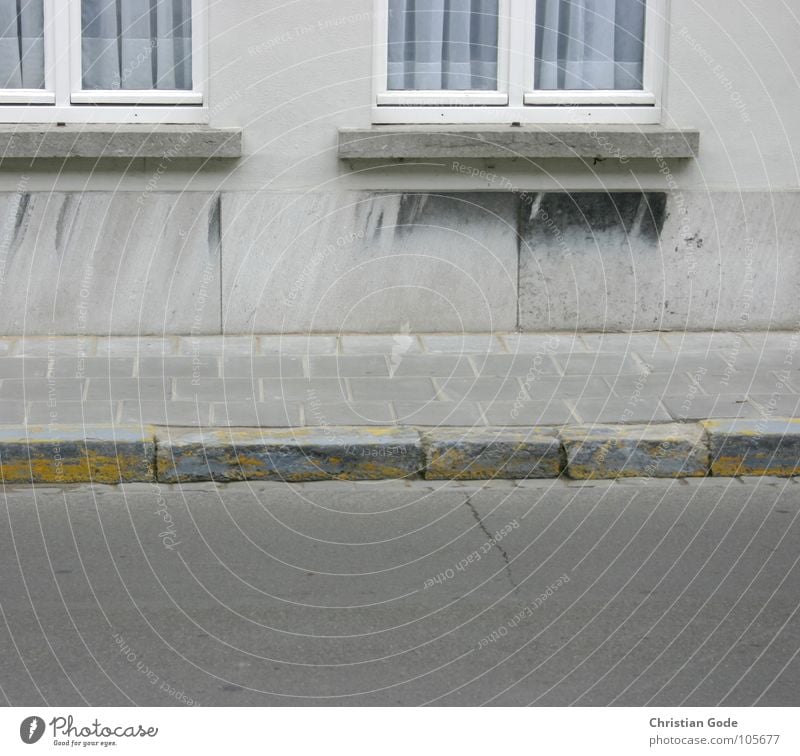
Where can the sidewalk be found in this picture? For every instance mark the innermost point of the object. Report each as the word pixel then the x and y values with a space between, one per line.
pixel 478 381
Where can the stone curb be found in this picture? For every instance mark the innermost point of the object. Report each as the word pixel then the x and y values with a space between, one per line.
pixel 293 455
pixel 77 454
pixel 121 454
pixel 754 447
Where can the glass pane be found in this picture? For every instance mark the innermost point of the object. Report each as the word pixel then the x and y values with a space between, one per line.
pixel 21 44
pixel 589 44
pixel 136 44
pixel 443 44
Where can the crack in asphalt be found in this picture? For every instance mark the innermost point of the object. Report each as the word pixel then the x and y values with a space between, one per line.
pixel 491 540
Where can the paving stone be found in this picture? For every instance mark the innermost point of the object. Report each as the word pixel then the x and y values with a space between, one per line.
pixel 122 346
pixel 480 389
pixel 685 362
pixel 76 454
pixel 61 346
pixel 304 389
pixel 345 366
pixel 617 411
pixel 94 413
pixel 91 367
pixel 12 412
pixel 702 341
pixel 291 455
pixel 703 407
pixel 438 413
pixel 23 367
pixel 390 389
pixel 518 365
pixel 754 447
pixel 759 383
pixel 262 367
pixel 753 359
pixel 543 343
pixel 220 389
pixel 42 389
pixel 490 453
pixel 257 414
pixel 626 343
pixel 548 388
pixel 6 346
pixel 652 385
pixel 173 367
pixel 349 413
pixel 129 388
pixel 218 346
pixel 298 345
pixel 648 451
pixel 384 343
pixel 782 341
pixel 527 414
pixel 466 343
pixel 597 364
pixel 431 365
pixel 776 405
pixel 188 414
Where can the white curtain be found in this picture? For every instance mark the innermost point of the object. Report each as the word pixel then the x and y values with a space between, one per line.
pixel 21 44
pixel 589 44
pixel 137 44
pixel 443 44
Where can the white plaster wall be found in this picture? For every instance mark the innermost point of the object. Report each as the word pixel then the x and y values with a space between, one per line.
pixel 311 75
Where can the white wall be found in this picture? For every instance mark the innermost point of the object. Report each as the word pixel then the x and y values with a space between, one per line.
pixel 291 73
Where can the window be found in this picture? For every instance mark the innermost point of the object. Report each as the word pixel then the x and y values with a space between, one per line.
pixel 102 61
pixel 494 61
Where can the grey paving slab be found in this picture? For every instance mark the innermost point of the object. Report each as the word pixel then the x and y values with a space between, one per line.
pixel 701 341
pixel 473 343
pixel 218 346
pixel 685 361
pixel 6 346
pixel 257 414
pixel 42 389
pixel 60 346
pixel 618 411
pixel 606 363
pixel 777 405
pixel 479 389
pixel 433 365
pixel 546 388
pixel 647 343
pixel 328 366
pixel 23 367
pixel 262 367
pixel 652 385
pixel 405 343
pixel 543 343
pixel 388 389
pixel 12 412
pixel 91 367
pixel 297 345
pixel 204 366
pixel 175 413
pixel 93 412
pixel 464 414
pixel 349 413
pixel 121 346
pixel 527 413
pixel 702 407
pixel 153 388
pixel 755 383
pixel 304 389
pixel 220 389
pixel 519 365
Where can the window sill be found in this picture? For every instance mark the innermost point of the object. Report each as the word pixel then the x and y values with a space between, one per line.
pixel 40 141
pixel 497 142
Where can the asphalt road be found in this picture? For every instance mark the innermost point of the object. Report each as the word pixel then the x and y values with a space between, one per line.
pixel 547 593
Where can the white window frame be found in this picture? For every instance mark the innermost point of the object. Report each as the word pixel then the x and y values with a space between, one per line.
pixel 63 100
pixel 516 101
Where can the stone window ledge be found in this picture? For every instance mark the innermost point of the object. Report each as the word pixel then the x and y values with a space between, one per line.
pixel 509 142
pixel 41 141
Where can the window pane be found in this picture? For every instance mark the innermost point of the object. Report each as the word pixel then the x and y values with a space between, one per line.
pixel 21 44
pixel 589 44
pixel 136 44
pixel 443 44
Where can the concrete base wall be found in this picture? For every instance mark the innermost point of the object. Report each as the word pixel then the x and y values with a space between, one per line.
pixel 202 263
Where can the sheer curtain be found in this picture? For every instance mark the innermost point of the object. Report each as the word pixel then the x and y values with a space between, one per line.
pixel 589 44
pixel 21 44
pixel 137 44
pixel 443 44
